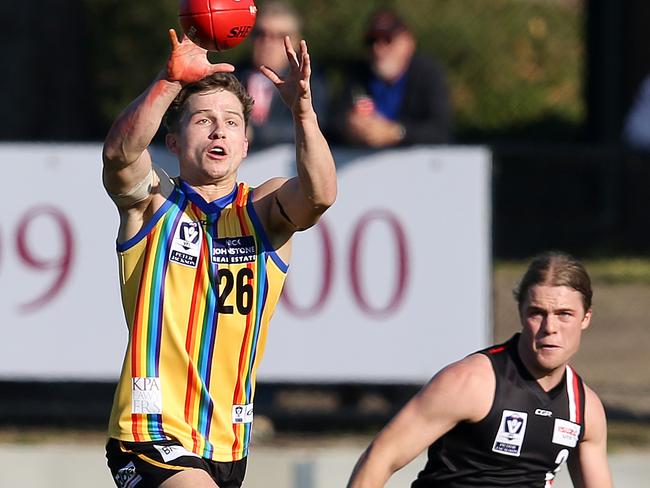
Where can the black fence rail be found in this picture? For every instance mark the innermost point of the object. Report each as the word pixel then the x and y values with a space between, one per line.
pixel 309 408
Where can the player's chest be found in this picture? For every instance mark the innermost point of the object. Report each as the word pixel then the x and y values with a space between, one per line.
pixel 204 243
pixel 529 429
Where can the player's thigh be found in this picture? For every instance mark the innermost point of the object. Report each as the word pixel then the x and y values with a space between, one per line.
pixel 191 478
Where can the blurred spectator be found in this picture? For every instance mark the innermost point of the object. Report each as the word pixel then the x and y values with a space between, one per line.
pixel 398 97
pixel 271 121
pixel 636 128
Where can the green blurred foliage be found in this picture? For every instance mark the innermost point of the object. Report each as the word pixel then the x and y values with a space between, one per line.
pixel 515 67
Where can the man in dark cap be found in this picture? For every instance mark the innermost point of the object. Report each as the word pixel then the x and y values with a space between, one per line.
pixel 399 97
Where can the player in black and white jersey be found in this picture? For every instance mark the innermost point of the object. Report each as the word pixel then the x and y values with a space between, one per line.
pixel 512 414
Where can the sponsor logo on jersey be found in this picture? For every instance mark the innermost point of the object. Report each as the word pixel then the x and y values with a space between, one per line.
pixel 242 414
pixel 186 245
pixel 510 436
pixel 146 396
pixel 169 453
pixel 234 250
pixel 127 477
pixel 566 433
pixel 543 413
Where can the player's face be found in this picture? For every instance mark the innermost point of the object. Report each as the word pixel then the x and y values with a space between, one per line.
pixel 211 142
pixel 553 318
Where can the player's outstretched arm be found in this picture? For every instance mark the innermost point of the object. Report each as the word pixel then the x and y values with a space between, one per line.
pixel 299 202
pixel 464 391
pixel 588 466
pixel 126 159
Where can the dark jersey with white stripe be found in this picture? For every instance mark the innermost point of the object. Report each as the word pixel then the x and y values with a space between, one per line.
pixel 523 440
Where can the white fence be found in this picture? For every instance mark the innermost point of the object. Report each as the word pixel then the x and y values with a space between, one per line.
pixel 390 286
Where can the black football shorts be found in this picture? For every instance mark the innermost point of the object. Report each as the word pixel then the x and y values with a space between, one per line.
pixel 148 464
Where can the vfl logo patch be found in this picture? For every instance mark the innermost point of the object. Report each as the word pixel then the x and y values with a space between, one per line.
pixel 510 436
pixel 234 250
pixel 566 433
pixel 186 245
pixel 189 232
pixel 127 477
pixel 242 414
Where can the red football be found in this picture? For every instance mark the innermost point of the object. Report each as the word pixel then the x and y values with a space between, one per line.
pixel 217 25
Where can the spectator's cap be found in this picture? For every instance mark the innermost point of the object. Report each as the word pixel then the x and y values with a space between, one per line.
pixel 384 24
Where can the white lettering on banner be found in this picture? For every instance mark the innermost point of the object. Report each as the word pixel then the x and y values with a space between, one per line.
pixel 383 274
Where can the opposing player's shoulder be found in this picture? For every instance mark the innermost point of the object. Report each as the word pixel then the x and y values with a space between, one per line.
pixel 467 385
pixel 474 370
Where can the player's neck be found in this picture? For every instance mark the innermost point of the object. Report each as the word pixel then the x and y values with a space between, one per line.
pixel 550 379
pixel 546 378
pixel 214 190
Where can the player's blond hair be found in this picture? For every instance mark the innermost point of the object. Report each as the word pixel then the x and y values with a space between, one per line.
pixel 555 268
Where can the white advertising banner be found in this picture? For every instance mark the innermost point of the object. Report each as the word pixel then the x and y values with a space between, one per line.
pixel 391 285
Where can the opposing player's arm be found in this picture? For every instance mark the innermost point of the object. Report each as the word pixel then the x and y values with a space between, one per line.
pixel 297 203
pixel 588 466
pixel 463 391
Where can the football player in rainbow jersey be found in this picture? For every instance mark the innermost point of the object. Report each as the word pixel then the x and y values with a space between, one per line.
pixel 202 260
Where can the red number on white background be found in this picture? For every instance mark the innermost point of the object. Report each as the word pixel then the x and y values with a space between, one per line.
pixel 399 288
pixel 26 245
pixel 354 272
pixel 327 273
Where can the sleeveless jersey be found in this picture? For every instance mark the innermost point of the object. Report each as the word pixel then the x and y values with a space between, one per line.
pixel 523 440
pixel 199 285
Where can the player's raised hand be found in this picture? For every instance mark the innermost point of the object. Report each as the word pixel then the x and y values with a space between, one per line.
pixel 188 62
pixel 294 87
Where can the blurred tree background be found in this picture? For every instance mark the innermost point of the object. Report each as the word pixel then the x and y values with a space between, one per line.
pixel 516 68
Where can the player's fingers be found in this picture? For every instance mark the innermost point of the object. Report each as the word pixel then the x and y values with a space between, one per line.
pixel 305 61
pixel 304 88
pixel 270 74
pixel 173 38
pixel 291 53
pixel 223 68
pixel 305 67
